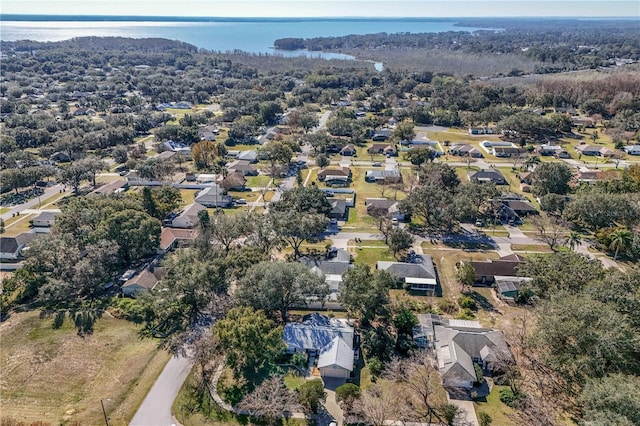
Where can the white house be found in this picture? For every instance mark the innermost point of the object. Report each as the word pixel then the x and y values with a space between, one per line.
pixel 632 149
pixel 328 339
pixel 188 217
pixel 44 219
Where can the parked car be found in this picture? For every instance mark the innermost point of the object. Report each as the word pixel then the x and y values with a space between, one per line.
pixel 241 201
pixel 479 223
pixel 377 164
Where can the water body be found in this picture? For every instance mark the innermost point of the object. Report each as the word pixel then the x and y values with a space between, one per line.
pixel 249 35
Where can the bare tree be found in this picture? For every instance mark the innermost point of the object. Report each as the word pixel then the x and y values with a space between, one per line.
pixel 379 403
pixel 419 384
pixel 552 231
pixel 270 401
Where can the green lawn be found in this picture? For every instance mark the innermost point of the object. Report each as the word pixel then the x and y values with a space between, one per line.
pixel 498 411
pixel 293 382
pixel 259 181
pixel 371 256
pixel 188 195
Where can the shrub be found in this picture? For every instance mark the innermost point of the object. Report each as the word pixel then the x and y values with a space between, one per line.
pixel 299 359
pixel 468 303
pixel 508 397
pixel 347 393
pixel 479 374
pixel 465 314
pixel 310 393
pixel 484 419
pixel 447 306
pixel 375 367
pixel 129 309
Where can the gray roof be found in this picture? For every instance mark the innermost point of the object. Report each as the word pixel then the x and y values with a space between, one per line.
pixel 248 155
pixel 46 216
pixel 212 194
pixel 487 175
pixel 457 346
pixel 336 354
pixel 381 174
pixel 508 284
pixel 420 267
pixel 192 210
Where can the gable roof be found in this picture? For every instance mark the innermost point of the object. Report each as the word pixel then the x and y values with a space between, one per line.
pixel 487 175
pixel 146 279
pixel 111 187
pixel 46 217
pixel 336 354
pixel 340 171
pixel 420 267
pixel 9 245
pixel 169 236
pixel 191 210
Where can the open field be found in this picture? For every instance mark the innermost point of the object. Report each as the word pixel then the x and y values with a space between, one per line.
pixel 55 376
pixel 17 225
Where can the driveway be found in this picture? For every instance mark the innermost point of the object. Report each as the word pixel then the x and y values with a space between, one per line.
pixel 330 386
pixel 469 411
pixel 156 407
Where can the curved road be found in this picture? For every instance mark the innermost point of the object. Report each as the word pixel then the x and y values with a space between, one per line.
pixel 156 407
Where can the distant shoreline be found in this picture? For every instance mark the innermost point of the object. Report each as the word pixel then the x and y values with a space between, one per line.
pixel 132 18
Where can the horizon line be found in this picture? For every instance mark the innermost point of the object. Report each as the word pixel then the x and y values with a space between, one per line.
pixel 327 17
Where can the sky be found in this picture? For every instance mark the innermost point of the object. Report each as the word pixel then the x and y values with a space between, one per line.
pixel 327 8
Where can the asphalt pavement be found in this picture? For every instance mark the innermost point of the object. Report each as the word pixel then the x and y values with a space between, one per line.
pixel 156 407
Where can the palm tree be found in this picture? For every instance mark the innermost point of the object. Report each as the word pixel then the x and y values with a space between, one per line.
pixel 621 239
pixel 573 240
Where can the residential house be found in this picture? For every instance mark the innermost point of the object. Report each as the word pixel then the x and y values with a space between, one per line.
pixel 383 176
pixel 251 156
pixel 170 238
pixel 487 271
pixel 507 288
pixel 234 182
pixel 588 176
pixel 333 265
pixel 208 133
pixel 330 340
pixel 12 248
pixel 381 207
pixel 339 209
pixel 482 130
pixel 167 155
pixel 547 150
pixel 183 105
pixel 507 151
pixel 584 122
pixel 337 181
pixel 632 149
pixel 145 280
pixel 418 274
pixel 424 333
pixel 341 172
pixel 382 135
pixel 383 148
pixel 188 217
pixel 44 219
pixel 242 166
pixel 114 187
pixel 465 150
pixel 213 196
pixel 457 349
pixel 84 111
pixel 593 150
pixel 60 157
pixel 348 150
pixel 177 147
pixel 490 175
pixel 520 208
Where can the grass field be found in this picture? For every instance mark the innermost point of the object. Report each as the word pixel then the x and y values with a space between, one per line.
pixel 17 225
pixel 55 376
pixel 498 411
pixel 259 181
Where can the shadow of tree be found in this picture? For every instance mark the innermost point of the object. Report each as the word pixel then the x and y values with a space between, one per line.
pixel 481 301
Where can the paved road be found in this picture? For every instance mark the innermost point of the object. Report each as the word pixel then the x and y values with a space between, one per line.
pixel 34 202
pixel 156 407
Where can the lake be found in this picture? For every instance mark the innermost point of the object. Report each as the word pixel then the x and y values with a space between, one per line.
pixel 249 35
